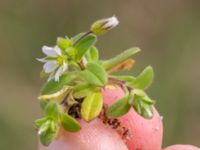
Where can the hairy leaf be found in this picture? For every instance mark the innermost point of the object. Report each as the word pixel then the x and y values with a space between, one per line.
pixel 143 106
pixel 145 79
pixel 83 45
pixel 69 123
pixel 120 58
pixel 47 136
pixel 92 54
pixel 91 106
pixel 82 90
pixel 53 86
pixel 94 74
pixel 119 108
pixel 53 110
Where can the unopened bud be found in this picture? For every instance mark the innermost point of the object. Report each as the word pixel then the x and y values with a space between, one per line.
pixel 104 25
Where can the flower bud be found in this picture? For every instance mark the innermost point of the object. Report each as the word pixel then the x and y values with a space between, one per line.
pixel 104 25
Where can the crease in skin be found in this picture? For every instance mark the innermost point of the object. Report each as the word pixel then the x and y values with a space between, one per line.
pixel 93 136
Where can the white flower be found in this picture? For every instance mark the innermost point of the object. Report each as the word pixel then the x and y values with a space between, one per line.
pixel 54 62
pixel 103 25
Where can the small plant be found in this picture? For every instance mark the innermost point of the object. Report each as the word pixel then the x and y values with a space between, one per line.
pixel 76 77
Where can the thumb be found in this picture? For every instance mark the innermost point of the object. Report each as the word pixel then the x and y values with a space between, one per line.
pixel 93 136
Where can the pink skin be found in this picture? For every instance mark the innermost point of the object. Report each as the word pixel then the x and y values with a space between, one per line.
pixel 182 147
pixel 146 134
pixel 93 136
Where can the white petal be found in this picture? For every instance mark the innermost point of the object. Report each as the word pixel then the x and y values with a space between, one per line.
pixel 50 66
pixel 58 73
pixel 49 51
pixel 57 50
pixel 112 22
pixel 42 60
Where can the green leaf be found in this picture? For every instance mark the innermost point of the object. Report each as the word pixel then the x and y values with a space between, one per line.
pixel 53 110
pixel 92 54
pixel 64 43
pixel 147 111
pixel 98 71
pixel 53 86
pixel 91 106
pixel 78 36
pixel 148 101
pixel 119 108
pixel 144 80
pixel 143 106
pixel 50 134
pixel 43 103
pixel 95 74
pixel 128 79
pixel 83 45
pixel 82 90
pixel 120 58
pixel 38 123
pixel 69 123
pixel 90 78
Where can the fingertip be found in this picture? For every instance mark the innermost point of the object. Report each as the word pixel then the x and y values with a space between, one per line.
pixel 93 135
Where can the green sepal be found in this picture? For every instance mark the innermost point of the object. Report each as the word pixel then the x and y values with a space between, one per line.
pixel 95 74
pixel 69 123
pixel 53 110
pixel 83 45
pixel 64 43
pixel 91 106
pixel 82 90
pixel 53 86
pixel 120 58
pixel 119 108
pixel 144 80
pixel 92 54
pixel 71 52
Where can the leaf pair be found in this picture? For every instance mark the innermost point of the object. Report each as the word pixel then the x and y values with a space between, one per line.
pixel 48 127
pixel 54 111
pixel 139 101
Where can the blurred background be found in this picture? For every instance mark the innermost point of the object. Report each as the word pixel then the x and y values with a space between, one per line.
pixel 168 32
